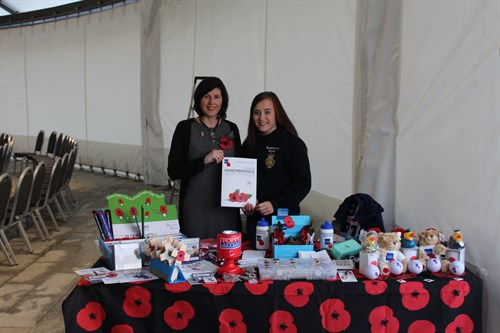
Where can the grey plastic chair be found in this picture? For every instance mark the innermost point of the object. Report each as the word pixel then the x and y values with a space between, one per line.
pixel 47 196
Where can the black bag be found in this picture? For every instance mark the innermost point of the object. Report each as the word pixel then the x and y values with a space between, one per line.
pixel 356 212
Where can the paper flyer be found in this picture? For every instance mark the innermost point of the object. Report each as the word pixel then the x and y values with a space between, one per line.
pixel 239 182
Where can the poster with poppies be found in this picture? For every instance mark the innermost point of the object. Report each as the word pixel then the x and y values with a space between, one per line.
pixel 142 215
pixel 239 181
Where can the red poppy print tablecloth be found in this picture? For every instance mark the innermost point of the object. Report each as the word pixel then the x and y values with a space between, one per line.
pixel 418 305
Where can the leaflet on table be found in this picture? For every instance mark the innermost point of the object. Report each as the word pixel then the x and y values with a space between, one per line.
pixel 129 275
pixel 199 268
pixel 239 182
pixel 142 215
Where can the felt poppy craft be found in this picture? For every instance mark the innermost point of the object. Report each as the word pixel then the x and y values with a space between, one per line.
pixel 226 142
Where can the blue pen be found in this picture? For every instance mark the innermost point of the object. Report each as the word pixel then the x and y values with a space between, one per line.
pixel 110 222
pixel 96 218
pixel 104 224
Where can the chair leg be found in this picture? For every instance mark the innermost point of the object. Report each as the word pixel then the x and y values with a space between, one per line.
pixel 7 249
pixel 40 227
pixel 52 218
pixel 59 208
pixel 24 235
pixel 63 199
pixel 70 194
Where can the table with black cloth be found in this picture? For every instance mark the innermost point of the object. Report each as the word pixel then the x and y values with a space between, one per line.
pixel 423 304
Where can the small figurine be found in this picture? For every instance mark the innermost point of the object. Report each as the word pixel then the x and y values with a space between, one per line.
pixel 456 240
pixel 408 240
pixel 369 241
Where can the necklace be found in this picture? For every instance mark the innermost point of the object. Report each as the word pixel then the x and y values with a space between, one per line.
pixel 211 130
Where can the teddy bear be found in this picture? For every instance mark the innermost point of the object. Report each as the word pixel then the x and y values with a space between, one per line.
pixel 389 244
pixel 430 241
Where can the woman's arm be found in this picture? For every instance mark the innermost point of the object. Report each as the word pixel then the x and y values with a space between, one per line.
pixel 179 165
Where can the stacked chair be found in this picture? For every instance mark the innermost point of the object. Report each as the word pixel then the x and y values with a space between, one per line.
pixel 44 181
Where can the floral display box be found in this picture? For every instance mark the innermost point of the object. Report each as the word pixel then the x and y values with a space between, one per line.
pixel 292 225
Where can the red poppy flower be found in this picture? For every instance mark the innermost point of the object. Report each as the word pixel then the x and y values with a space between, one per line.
pixel 454 292
pixel 90 318
pixel 414 295
pixel 243 197
pixel 289 222
pixel 178 288
pixel 382 320
pixel 148 201
pixel 122 328
pixel 119 213
pixel 297 293
pixel 334 316
pixel 133 211
pixel 233 197
pixel 282 322
pixel 259 288
pixel 374 287
pixel 180 256
pixel 146 214
pixel 220 288
pixel 419 326
pixel 120 202
pixel 231 321
pixel 225 143
pixel 462 324
pixel 178 315
pixel 137 302
pixel 163 210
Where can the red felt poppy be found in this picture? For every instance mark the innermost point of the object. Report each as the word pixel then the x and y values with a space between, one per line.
pixel 454 292
pixel 178 315
pixel 231 321
pixel 382 320
pixel 146 213
pixel 225 143
pixel 90 318
pixel 122 328
pixel 334 316
pixel 137 302
pixel 289 222
pixel 120 202
pixel 462 324
pixel 282 322
pixel 259 288
pixel 178 288
pixel 414 295
pixel 374 287
pixel 180 256
pixel 220 288
pixel 163 209
pixel 297 293
pixel 148 201
pixel 420 326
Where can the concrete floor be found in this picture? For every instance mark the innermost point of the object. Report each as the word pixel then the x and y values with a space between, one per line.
pixel 32 292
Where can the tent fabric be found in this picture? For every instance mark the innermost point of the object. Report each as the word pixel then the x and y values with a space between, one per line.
pixel 398 99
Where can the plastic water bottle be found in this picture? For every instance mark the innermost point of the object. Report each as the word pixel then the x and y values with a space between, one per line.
pixel 262 235
pixel 326 236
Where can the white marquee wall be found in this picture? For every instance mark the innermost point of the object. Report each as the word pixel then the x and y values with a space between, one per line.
pixel 398 99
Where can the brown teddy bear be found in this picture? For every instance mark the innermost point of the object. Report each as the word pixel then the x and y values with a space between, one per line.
pixel 430 241
pixel 389 244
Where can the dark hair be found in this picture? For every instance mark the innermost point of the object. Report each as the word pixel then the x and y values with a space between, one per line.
pixel 204 87
pixel 281 117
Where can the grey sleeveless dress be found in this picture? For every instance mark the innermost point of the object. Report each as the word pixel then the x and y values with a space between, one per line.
pixel 203 216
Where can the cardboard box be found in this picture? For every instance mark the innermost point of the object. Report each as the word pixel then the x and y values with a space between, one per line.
pixel 292 225
pixel 171 274
pixel 124 254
